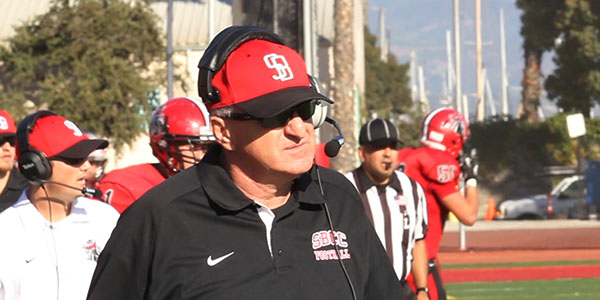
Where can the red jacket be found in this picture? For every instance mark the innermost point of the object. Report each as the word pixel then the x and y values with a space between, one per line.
pixel 121 187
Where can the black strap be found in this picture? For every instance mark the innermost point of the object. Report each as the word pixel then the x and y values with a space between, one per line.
pixel 416 196
pixel 405 232
pixel 363 196
pixel 387 223
pixel 433 270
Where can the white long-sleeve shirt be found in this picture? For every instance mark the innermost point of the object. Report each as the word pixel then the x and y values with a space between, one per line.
pixel 43 260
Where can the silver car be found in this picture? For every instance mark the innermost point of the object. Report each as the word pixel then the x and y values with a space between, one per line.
pixel 566 200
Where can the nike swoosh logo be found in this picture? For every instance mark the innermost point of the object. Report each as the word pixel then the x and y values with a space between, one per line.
pixel 211 262
pixel 28 260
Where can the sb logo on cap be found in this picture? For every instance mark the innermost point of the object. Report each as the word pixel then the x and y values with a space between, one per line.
pixel 3 123
pixel 280 64
pixel 73 127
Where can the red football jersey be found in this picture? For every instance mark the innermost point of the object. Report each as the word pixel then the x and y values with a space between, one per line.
pixel 438 174
pixel 121 187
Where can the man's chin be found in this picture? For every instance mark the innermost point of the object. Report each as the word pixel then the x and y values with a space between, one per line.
pixel 383 176
pixel 299 168
pixel 4 168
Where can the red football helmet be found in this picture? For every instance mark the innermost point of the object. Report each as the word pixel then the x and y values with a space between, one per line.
pixel 445 129
pixel 179 121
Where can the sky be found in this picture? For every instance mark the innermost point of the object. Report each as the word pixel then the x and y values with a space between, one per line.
pixel 421 25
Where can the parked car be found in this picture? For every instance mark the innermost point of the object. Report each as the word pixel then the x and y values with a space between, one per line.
pixel 566 200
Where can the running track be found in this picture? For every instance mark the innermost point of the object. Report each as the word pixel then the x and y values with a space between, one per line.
pixel 492 244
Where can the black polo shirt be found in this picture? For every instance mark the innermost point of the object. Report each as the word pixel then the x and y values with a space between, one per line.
pixel 196 236
pixel 13 189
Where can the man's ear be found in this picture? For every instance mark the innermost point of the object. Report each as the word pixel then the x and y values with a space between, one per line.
pixel 221 132
pixel 361 153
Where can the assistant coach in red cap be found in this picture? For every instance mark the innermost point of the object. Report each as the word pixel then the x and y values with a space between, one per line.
pixel 12 182
pixel 52 236
pixel 255 219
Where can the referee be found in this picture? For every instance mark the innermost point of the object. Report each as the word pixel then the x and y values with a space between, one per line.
pixel 394 203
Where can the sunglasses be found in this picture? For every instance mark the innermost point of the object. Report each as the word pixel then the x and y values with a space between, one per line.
pixel 71 161
pixel 8 139
pixel 304 111
pixel 194 145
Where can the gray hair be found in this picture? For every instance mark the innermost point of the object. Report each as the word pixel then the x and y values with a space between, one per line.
pixel 223 112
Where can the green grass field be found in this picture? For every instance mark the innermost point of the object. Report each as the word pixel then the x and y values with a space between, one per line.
pixel 523 264
pixel 588 289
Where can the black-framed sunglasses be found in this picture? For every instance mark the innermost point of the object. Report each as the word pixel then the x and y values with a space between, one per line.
pixel 304 110
pixel 71 161
pixel 12 140
pixel 194 145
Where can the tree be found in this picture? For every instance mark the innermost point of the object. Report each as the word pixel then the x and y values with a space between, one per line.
pixel 343 87
pixel 88 60
pixel 575 83
pixel 387 91
pixel 538 31
pixel 571 28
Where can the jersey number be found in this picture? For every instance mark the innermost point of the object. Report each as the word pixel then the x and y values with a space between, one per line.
pixel 446 173
pixel 108 195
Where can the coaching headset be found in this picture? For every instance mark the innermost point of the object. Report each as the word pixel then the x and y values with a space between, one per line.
pixel 33 163
pixel 229 40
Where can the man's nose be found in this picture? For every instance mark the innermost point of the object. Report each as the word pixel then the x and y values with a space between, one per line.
pixel 295 126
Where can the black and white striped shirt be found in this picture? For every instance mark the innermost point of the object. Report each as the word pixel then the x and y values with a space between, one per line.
pixel 398 211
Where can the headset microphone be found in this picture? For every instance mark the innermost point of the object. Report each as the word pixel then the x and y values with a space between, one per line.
pixel 87 191
pixel 332 148
pixel 91 192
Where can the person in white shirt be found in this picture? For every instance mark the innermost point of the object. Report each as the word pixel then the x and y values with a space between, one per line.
pixel 52 236
pixel 12 182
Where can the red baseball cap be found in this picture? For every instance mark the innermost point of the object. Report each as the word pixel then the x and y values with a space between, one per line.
pixel 58 137
pixel 264 79
pixel 7 124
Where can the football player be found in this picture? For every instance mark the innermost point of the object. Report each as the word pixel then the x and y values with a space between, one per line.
pixel 436 167
pixel 179 136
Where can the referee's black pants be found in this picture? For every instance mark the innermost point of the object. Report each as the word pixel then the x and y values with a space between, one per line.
pixel 435 272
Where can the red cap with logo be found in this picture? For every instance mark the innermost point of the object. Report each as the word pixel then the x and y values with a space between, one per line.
pixel 7 124
pixel 56 136
pixel 264 79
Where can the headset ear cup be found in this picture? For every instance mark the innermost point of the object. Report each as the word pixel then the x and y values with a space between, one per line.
pixel 33 163
pixel 318 117
pixel 321 107
pixel 35 166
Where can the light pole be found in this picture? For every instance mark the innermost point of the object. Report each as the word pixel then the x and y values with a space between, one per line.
pixel 170 49
pixel 479 62
pixel 457 59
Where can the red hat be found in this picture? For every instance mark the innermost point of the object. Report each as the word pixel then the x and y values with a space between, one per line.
pixel 56 136
pixel 7 124
pixel 264 79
